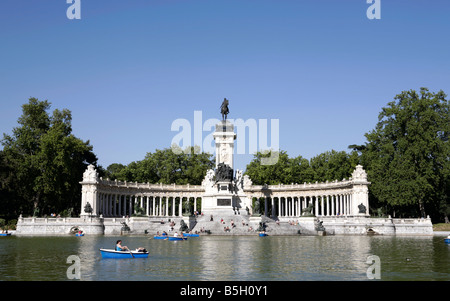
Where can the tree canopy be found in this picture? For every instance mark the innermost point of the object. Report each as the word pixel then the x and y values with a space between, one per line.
pixel 42 163
pixel 165 166
pixel 328 166
pixel 407 154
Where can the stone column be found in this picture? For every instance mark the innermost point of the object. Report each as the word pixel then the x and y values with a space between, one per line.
pixel 272 205
pixel 360 192
pixel 345 204
pixel 320 198
pixel 333 212
pixel 340 204
pixel 350 205
pixel 131 205
pixel 328 205
pixel 89 193
pixel 123 205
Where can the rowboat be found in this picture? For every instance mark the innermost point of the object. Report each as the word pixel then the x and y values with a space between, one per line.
pixel 5 234
pixel 447 240
pixel 160 237
pixel 262 234
pixel 109 253
pixel 79 234
pixel 191 235
pixel 177 238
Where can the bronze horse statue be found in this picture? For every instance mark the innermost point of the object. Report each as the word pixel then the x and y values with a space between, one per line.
pixel 224 109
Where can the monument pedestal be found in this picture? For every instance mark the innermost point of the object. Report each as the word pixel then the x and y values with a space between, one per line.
pixel 223 205
pixel 307 225
pixel 224 195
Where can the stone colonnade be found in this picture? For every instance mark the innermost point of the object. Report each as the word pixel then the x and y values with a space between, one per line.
pixel 340 204
pixel 118 199
pixel 349 197
pixel 116 204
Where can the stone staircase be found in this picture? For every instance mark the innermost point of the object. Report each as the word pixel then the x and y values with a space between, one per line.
pixel 243 225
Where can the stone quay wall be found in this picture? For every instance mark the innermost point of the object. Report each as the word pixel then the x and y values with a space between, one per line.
pixel 243 225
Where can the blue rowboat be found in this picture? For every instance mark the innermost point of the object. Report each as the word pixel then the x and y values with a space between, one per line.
pixel 262 234
pixel 177 238
pixel 161 237
pixel 78 234
pixel 109 253
pixel 5 234
pixel 191 235
pixel 447 240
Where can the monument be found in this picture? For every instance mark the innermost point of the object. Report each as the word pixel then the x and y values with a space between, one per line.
pixel 117 207
pixel 223 186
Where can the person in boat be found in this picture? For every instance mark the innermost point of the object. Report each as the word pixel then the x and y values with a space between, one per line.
pixel 175 234
pixel 119 247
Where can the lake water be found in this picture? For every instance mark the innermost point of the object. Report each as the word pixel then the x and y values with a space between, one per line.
pixel 228 258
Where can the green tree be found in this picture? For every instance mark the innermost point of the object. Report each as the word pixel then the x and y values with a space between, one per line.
pixel 407 154
pixel 9 202
pixel 278 173
pixel 328 166
pixel 112 171
pixel 333 165
pixel 46 159
pixel 168 167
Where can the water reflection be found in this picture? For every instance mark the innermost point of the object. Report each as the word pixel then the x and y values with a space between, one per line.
pixel 228 258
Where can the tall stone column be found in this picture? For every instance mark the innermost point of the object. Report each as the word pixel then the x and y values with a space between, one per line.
pixel 360 192
pixel 322 204
pixel 131 206
pixel 89 194
pixel 224 137
pixel 327 205
pixel 333 212
pixel 167 206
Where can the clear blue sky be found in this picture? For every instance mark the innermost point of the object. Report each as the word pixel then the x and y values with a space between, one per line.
pixel 128 69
